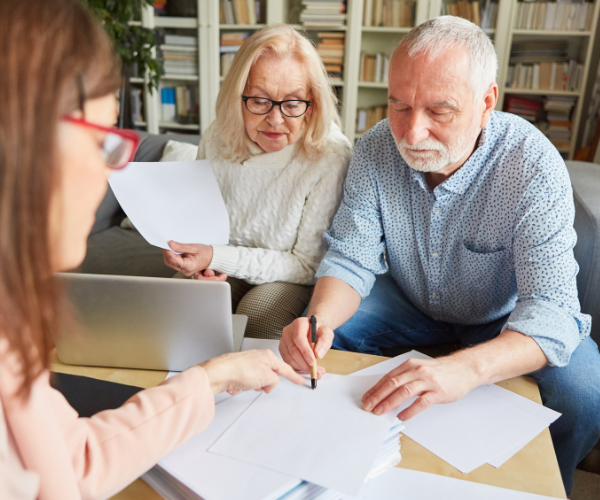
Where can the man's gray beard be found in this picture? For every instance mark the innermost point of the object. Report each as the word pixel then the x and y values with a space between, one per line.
pixel 438 155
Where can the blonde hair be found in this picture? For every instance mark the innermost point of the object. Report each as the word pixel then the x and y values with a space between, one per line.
pixel 281 41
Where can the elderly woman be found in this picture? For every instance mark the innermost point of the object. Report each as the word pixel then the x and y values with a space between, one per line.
pixel 280 160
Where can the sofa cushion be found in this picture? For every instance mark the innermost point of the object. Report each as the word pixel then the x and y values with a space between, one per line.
pixel 152 145
pixel 179 151
pixel 123 252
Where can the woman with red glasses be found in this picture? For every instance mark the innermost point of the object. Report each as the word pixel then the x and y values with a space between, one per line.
pixel 57 146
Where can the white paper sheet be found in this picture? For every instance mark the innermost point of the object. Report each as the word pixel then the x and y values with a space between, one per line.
pixel 535 410
pixel 321 436
pixel 216 477
pixel 176 200
pixel 490 424
pixel 404 484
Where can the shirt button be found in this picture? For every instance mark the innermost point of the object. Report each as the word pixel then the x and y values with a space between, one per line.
pixel 433 294
pixel 437 212
pixel 435 254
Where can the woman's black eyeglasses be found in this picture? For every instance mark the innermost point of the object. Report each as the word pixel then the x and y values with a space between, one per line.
pixel 262 106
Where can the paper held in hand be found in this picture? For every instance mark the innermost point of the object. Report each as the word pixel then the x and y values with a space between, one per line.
pixel 175 200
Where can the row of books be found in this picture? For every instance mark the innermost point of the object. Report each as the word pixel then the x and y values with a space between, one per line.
pixel 551 115
pixel 180 104
pixel 558 124
pixel 368 117
pixel 565 75
pixel 323 14
pixel 482 14
pixel 230 44
pixel 330 46
pixel 242 11
pixel 160 7
pixel 374 68
pixel 560 15
pixel 179 54
pixel 390 13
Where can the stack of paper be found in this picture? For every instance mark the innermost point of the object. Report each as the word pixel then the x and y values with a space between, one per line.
pixel 298 444
pixel 243 469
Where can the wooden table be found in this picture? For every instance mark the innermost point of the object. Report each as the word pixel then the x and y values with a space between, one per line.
pixel 534 469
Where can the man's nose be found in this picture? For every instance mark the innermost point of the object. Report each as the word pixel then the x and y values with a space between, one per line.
pixel 417 129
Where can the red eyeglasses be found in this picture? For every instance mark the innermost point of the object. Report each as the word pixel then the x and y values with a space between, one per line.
pixel 119 145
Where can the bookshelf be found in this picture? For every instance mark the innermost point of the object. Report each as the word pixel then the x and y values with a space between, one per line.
pixel 360 37
pixel 525 32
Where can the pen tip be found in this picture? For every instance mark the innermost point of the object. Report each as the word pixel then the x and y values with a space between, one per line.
pixel 313 383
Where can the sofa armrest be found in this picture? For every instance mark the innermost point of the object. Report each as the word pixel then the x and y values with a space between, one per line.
pixel 585 179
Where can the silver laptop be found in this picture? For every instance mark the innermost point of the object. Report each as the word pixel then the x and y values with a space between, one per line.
pixel 149 323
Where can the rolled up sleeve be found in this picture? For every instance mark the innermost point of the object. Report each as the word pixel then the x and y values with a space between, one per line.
pixel 548 307
pixel 356 240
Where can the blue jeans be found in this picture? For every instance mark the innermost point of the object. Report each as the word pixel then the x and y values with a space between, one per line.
pixel 387 319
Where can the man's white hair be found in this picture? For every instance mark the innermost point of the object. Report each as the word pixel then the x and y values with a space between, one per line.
pixel 441 33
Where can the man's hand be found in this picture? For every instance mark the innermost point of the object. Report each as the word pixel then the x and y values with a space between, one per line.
pixel 434 381
pixel 191 258
pixel 295 346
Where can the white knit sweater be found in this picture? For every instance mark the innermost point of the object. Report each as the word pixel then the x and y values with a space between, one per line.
pixel 278 208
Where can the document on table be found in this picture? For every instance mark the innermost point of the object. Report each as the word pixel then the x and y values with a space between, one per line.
pixel 404 484
pixel 177 200
pixel 286 431
pixel 216 477
pixel 490 424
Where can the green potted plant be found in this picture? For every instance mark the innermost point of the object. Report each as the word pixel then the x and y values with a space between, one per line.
pixel 132 42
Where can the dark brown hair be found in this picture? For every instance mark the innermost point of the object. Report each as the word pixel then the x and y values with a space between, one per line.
pixel 45 46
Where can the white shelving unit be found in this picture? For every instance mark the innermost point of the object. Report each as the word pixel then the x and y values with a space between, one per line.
pixel 370 39
pixel 581 44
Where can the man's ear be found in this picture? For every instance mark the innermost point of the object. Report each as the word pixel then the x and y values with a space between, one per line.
pixel 490 99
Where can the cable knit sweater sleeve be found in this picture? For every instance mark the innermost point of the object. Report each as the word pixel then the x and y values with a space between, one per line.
pixel 299 263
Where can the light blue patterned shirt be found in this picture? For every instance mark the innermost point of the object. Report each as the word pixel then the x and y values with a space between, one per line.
pixel 495 238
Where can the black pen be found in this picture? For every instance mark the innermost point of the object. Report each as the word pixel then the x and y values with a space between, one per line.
pixel 313 370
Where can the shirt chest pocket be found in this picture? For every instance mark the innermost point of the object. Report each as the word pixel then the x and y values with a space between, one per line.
pixel 482 269
pixel 487 272
pixel 485 279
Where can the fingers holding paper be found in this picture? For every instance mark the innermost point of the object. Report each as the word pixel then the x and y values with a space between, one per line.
pixel 431 381
pixel 189 259
pixel 257 370
pixel 295 346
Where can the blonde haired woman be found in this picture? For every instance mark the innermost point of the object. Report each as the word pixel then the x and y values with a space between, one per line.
pixel 280 160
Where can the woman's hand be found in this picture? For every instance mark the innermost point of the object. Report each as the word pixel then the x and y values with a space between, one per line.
pixel 248 370
pixel 210 275
pixel 191 259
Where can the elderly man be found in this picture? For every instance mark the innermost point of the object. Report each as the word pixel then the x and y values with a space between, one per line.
pixel 474 211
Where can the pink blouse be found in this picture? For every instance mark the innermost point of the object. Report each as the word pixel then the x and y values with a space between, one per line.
pixel 48 452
